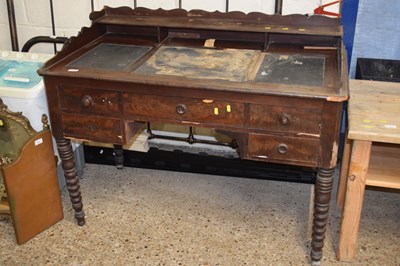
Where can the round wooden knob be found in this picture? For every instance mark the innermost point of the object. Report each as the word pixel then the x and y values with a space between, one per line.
pixel 284 119
pixel 86 101
pixel 181 108
pixel 282 148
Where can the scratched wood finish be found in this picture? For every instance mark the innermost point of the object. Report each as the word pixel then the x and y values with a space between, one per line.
pixel 83 100
pixel 193 98
pixel 375 111
pixel 304 122
pixel 284 149
pixel 209 111
pixel 93 128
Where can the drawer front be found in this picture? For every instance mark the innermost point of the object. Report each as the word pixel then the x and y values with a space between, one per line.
pixel 285 119
pixel 184 109
pixel 81 100
pixel 92 128
pixel 285 149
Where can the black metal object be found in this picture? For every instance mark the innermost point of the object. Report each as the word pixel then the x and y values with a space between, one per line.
pixel 227 6
pixel 201 163
pixel 190 139
pixel 42 39
pixel 53 25
pixel 13 25
pixel 378 69
pixel 278 7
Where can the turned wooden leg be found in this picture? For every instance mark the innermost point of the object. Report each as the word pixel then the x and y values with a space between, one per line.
pixel 68 164
pixel 323 188
pixel 119 156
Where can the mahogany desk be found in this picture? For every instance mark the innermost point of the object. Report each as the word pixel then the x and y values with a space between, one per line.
pixel 274 84
pixel 371 155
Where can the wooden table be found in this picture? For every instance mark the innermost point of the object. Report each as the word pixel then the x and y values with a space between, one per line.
pixel 274 84
pixel 371 155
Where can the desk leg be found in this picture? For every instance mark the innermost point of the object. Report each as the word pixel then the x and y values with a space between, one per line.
pixel 68 164
pixel 119 156
pixel 323 188
pixel 343 173
pixel 353 199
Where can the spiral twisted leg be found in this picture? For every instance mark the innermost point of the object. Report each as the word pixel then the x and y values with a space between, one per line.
pixel 68 164
pixel 323 188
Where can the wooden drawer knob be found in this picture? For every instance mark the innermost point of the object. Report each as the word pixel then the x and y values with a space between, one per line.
pixel 86 101
pixel 282 148
pixel 284 119
pixel 181 108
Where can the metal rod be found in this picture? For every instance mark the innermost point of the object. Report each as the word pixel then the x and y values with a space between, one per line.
pixel 227 6
pixel 42 39
pixel 53 27
pixel 278 7
pixel 180 4
pixel 92 4
pixel 13 25
pixel 135 4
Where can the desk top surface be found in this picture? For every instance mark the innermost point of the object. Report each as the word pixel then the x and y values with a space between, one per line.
pixel 374 111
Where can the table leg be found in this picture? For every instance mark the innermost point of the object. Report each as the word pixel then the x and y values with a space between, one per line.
pixel 119 156
pixel 344 171
pixel 68 164
pixel 323 189
pixel 353 200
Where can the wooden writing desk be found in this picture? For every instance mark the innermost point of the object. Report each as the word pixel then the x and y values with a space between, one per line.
pixel 275 84
pixel 371 155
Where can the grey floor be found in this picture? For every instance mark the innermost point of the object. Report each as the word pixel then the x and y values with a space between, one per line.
pixel 149 217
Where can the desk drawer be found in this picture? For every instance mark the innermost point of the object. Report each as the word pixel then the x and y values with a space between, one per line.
pixel 92 128
pixel 285 119
pixel 183 109
pixel 285 149
pixel 81 100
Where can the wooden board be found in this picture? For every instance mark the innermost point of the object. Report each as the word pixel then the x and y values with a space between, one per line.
pixel 374 111
pixel 32 188
pixel 384 166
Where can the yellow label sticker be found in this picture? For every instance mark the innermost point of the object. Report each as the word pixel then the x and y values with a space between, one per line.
pixel 1 123
pixel 267 27
pixel 216 111
pixel 285 28
pixel 382 121
pixel 302 29
pixel 367 121
pixel 228 108
pixel 368 126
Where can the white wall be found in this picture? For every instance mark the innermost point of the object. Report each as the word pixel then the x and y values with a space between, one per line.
pixel 33 16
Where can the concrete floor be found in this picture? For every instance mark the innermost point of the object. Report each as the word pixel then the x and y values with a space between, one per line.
pixel 149 217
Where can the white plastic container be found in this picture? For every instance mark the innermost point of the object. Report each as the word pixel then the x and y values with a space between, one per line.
pixel 21 88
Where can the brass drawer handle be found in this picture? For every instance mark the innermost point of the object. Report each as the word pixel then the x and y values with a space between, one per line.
pixel 181 109
pixel 86 101
pixel 284 119
pixel 283 148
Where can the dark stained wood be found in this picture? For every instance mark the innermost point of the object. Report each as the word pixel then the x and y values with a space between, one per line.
pixel 323 189
pixel 289 150
pixel 71 177
pixel 206 81
pixel 209 111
